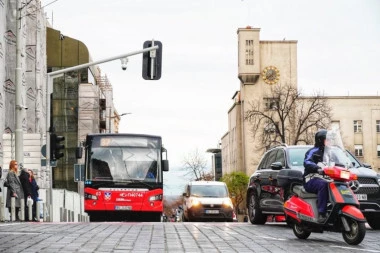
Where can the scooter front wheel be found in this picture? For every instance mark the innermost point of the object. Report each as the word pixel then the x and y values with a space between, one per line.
pixel 300 232
pixel 356 233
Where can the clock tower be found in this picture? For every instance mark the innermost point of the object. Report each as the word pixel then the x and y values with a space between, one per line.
pixel 261 66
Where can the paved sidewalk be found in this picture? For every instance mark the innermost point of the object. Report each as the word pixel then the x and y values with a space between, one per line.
pixel 170 237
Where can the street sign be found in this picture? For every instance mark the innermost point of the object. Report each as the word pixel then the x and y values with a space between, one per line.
pixel 78 172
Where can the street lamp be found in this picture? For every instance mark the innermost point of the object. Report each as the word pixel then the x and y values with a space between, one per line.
pixel 113 117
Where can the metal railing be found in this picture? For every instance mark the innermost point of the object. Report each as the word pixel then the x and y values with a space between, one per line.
pixel 65 208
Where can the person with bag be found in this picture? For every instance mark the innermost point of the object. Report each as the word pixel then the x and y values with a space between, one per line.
pixel 14 188
pixel 35 194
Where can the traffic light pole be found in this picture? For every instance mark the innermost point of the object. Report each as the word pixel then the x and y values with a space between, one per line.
pixel 49 87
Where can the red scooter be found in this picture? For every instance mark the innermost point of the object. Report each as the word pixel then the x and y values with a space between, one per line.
pixel 343 214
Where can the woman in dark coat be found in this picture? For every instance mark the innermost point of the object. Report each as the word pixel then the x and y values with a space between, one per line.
pixel 14 188
pixel 35 189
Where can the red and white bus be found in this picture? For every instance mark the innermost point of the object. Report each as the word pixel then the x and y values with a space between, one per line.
pixel 124 177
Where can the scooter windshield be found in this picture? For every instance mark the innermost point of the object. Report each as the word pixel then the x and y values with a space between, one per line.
pixel 334 152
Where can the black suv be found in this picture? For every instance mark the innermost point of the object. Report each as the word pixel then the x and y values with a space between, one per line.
pixel 282 166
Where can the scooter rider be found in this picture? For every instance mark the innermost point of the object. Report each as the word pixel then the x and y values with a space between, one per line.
pixel 313 181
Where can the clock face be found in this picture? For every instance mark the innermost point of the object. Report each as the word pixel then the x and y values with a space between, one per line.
pixel 271 75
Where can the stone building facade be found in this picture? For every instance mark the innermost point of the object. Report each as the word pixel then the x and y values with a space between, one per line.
pixel 82 101
pixel 262 64
pixel 33 68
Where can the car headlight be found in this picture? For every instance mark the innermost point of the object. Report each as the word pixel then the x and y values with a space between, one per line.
pixel 195 202
pixel 228 203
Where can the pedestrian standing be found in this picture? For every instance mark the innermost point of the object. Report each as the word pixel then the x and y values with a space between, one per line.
pixel 27 188
pixel 14 188
pixel 35 194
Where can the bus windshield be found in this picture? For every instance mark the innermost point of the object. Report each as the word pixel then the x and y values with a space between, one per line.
pixel 124 159
pixel 119 164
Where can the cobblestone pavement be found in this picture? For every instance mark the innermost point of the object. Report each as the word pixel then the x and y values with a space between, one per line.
pixel 171 237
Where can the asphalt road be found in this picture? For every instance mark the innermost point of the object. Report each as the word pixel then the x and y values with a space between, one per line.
pixel 171 237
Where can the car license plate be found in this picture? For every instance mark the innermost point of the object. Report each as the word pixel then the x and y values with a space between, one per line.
pixel 123 208
pixel 212 211
pixel 361 196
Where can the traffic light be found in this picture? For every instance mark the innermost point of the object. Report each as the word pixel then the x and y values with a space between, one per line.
pixel 152 61
pixel 56 146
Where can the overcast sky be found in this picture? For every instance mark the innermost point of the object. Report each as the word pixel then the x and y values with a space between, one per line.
pixel 338 53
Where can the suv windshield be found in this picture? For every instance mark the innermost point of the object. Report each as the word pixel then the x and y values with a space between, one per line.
pixel 212 191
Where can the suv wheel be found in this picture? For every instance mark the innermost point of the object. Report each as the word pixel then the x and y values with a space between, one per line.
pixel 373 223
pixel 254 211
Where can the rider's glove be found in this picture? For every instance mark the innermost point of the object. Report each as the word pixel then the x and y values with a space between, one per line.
pixel 320 171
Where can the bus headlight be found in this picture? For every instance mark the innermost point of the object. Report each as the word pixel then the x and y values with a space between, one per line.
pixel 155 197
pixel 90 196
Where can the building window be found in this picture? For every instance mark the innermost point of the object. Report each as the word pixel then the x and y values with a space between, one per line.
pixel 377 126
pixel 249 52
pixel 378 150
pixel 357 126
pixel 359 150
pixel 271 103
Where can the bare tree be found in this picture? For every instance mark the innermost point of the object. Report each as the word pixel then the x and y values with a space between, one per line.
pixel 287 117
pixel 195 166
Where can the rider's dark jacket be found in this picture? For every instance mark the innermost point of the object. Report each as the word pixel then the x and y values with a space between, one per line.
pixel 312 157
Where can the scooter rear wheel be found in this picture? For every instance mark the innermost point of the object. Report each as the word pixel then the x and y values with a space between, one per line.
pixel 300 232
pixel 357 233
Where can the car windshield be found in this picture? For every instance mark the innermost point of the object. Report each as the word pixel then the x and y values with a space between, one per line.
pixel 297 156
pixel 209 191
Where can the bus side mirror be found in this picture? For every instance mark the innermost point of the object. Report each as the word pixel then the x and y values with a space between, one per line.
pixel 165 165
pixel 79 152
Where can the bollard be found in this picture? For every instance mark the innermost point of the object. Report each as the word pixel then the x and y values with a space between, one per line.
pixel 64 214
pixel 38 209
pixel 30 209
pixel 1 209
pixel 45 213
pixel 13 208
pixel 61 214
pixel 22 210
pixel 68 216
pixel 72 216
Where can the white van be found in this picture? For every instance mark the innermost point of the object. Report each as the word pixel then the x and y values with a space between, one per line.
pixel 207 200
